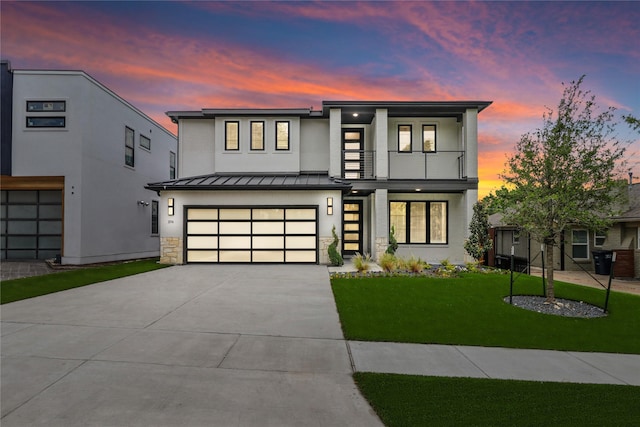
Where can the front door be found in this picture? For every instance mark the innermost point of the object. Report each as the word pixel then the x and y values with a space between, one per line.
pixel 351 227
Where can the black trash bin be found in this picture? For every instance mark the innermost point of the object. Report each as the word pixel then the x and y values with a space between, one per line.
pixel 602 261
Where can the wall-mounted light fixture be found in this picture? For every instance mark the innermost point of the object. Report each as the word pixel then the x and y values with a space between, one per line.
pixel 142 203
pixel 329 205
pixel 170 206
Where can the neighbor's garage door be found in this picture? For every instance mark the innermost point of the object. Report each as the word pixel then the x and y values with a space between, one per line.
pixel 252 234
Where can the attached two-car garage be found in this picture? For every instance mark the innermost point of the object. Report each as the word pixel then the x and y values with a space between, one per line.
pixel 253 234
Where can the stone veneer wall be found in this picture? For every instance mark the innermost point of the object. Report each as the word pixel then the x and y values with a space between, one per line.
pixel 171 250
pixel 382 243
pixel 324 249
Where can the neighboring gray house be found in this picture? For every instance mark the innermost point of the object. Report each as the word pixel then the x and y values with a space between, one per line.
pixel 75 160
pixel 268 185
pixel 579 244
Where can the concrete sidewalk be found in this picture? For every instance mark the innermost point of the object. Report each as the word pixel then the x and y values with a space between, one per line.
pixel 501 363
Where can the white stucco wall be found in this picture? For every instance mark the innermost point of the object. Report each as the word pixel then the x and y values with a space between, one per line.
pixel 196 147
pixel 314 145
pixel 102 220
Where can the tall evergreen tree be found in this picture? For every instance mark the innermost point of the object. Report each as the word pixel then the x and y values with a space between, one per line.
pixel 479 240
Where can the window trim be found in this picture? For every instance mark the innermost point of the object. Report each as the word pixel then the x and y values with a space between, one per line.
pixel 288 123
pixel 251 142
pixel 573 243
pixel 435 138
pixel 127 129
pixel 140 138
pixel 410 138
pixel 407 237
pixel 226 135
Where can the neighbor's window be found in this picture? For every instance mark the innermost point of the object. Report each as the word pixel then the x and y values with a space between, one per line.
pixel 404 138
pixel 429 138
pixel 43 106
pixel 232 136
pixel 257 135
pixel 599 238
pixel 129 136
pixel 580 244
pixel 145 142
pixel 154 217
pixel 172 165
pixel 638 238
pixel 419 222
pixel 515 237
pixel 282 135
pixel 46 122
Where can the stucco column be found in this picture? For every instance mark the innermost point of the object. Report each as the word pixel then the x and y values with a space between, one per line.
pixel 471 142
pixel 335 142
pixel 381 235
pixel 381 143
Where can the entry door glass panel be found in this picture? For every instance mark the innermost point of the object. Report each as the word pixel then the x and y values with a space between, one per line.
pixel 351 227
pixel 353 154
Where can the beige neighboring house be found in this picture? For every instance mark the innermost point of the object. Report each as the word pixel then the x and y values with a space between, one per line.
pixel 579 246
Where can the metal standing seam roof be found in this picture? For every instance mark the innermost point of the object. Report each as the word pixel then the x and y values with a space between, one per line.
pixel 308 181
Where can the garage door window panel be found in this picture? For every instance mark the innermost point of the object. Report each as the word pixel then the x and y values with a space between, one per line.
pixel 235 242
pixel 268 228
pixel 301 228
pixel 301 214
pixel 268 256
pixel 202 214
pixel 301 256
pixel 268 214
pixel 202 242
pixel 202 256
pixel 202 228
pixel 268 242
pixel 235 256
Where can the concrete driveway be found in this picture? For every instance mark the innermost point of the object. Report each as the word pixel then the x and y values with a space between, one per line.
pixel 196 345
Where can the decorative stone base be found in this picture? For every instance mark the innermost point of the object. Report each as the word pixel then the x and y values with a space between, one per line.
pixel 382 243
pixel 171 250
pixel 324 249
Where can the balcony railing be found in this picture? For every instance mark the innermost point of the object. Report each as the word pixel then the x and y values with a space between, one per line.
pixel 444 164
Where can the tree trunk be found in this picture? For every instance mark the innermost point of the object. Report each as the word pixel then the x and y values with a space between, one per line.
pixel 551 295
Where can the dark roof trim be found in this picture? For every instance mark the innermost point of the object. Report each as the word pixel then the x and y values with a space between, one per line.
pixel 239 112
pixel 418 186
pixel 309 181
pixel 459 106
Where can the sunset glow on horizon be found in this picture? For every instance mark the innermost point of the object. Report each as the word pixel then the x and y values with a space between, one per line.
pixel 163 56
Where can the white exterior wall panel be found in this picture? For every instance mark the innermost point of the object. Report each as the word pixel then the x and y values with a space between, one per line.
pixel 197 154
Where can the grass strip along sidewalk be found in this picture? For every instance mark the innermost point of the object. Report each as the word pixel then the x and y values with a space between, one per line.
pixel 407 400
pixel 29 287
pixel 470 310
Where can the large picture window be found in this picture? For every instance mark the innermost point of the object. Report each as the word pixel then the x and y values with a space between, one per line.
pixel 404 138
pixel 419 222
pixel 129 136
pixel 282 135
pixel 232 136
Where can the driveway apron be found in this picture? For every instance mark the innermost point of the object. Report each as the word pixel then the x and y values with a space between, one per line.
pixel 194 345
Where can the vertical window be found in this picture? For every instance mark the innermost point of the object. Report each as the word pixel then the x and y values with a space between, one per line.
pixel 282 135
pixel 404 138
pixel 515 237
pixel 172 165
pixel 154 217
pixel 419 222
pixel 232 136
pixel 429 138
pixel 257 135
pixel 145 142
pixel 398 220
pixel 579 244
pixel 438 222
pixel 129 136
pixel 599 238
pixel 638 238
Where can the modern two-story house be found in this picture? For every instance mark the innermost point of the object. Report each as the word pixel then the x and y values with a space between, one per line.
pixel 75 160
pixel 269 185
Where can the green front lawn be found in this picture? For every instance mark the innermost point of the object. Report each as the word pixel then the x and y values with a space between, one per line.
pixel 470 310
pixel 29 287
pixel 406 400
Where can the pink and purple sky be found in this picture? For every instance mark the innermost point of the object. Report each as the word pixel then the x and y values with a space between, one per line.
pixel 164 55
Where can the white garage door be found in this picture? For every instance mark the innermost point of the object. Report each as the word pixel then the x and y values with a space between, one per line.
pixel 252 234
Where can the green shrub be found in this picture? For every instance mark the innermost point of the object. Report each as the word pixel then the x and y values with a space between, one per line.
pixel 334 256
pixel 393 243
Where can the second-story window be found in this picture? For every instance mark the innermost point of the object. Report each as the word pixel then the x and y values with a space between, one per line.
pixel 232 136
pixel 429 138
pixel 172 165
pixel 129 136
pixel 282 135
pixel 404 138
pixel 257 135
pixel 145 142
